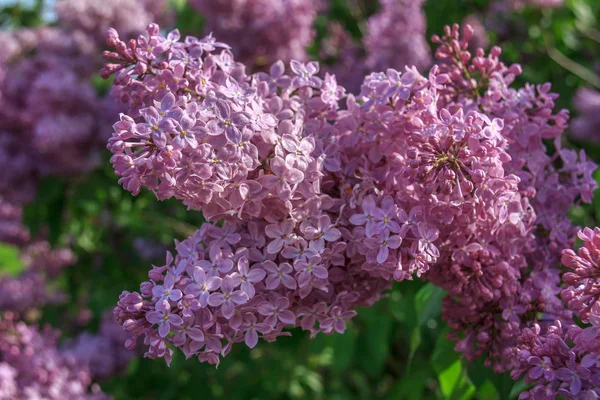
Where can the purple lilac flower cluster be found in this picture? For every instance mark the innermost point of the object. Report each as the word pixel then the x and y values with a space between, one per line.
pixel 561 357
pixel 49 108
pixel 516 272
pixel 396 36
pixel 31 366
pixel 103 353
pixel 519 4
pixel 261 31
pixel 444 177
pixel 587 125
pixel 95 17
pixel 30 290
pixel 50 119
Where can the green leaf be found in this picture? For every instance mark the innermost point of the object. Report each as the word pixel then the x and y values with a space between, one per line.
pixel 428 303
pixel 374 342
pixel 343 349
pixel 443 354
pixel 10 263
pixel 454 384
pixel 487 391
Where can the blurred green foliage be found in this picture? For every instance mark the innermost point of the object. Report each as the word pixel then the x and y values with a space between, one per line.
pixel 394 350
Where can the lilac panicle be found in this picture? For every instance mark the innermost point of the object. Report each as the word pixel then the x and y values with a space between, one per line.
pixel 444 177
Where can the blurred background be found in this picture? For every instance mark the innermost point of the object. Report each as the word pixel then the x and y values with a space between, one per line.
pixel 60 202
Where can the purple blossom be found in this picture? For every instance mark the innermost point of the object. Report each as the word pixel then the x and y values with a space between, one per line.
pixel 277 311
pixel 202 286
pixel 228 298
pixel 278 274
pixel 164 318
pixel 166 291
pixel 336 321
pixel 251 328
pixel 249 276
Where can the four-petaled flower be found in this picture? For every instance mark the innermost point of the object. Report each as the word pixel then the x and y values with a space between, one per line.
pixel 164 318
pixel 281 234
pixel 336 321
pixel 277 311
pixel 217 263
pixel 382 243
pixel 279 274
pixel 166 291
pixel 367 217
pixel 305 74
pixel 202 286
pixel 228 298
pixel 309 268
pixel 249 276
pixel 251 327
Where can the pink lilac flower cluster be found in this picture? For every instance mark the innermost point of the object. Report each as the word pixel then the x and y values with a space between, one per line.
pixel 587 125
pixel 561 357
pixel 31 366
pixel 444 177
pixel 516 274
pixel 261 31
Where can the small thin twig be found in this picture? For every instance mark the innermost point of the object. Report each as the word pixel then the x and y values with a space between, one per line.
pixel 590 33
pixel 574 67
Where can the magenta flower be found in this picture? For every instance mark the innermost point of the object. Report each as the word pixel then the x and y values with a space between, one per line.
pixel 164 318
pixel 279 274
pixel 367 217
pixel 305 74
pixel 202 286
pixel 382 243
pixel 322 230
pixel 541 366
pixel 188 304
pixel 249 276
pixel 281 234
pixel 336 320
pixel 166 291
pixel 251 327
pixel 428 236
pixel 300 150
pixel 218 264
pixel 309 268
pixel 283 177
pixel 235 92
pixel 312 315
pixel 573 374
pixel 385 217
pixel 186 133
pixel 226 121
pixel 189 331
pixel 277 311
pixel 228 298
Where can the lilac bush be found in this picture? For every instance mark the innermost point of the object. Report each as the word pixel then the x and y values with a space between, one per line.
pixel 446 177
